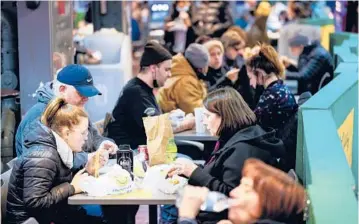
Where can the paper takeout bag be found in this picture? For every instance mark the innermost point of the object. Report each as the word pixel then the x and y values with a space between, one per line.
pixel 160 140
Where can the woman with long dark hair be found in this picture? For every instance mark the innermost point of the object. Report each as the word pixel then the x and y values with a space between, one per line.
pixel 227 116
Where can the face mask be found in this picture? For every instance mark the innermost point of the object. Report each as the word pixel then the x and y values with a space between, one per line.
pixel 184 9
pixel 155 83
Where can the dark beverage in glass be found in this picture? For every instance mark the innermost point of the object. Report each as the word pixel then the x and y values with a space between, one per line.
pixel 125 158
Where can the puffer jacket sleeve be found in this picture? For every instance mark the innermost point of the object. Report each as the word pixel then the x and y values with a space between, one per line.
pixel 310 69
pixel 39 190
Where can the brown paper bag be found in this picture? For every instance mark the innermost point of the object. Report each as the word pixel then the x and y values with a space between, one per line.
pixel 160 140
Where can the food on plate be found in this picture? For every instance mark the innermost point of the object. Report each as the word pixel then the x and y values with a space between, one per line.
pixel 174 181
pixel 115 181
pixel 120 177
pixel 122 180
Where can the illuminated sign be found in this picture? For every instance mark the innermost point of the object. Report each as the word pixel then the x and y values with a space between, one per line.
pixel 160 7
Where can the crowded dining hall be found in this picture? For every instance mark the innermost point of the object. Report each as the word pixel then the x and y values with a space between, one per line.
pixel 179 112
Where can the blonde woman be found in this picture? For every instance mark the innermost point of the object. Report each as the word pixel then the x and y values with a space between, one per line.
pixel 42 180
pixel 217 75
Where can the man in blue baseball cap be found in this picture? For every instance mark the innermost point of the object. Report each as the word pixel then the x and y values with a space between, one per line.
pixel 74 83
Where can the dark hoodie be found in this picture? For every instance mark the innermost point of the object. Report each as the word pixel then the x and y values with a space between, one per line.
pixel 223 172
pixel 44 95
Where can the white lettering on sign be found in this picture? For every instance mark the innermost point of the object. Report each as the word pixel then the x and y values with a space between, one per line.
pixel 159 7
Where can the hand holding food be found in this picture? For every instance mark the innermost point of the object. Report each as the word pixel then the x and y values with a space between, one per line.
pixel 183 167
pixel 95 161
pixel 109 146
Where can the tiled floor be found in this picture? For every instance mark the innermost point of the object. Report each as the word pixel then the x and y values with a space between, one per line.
pixel 142 215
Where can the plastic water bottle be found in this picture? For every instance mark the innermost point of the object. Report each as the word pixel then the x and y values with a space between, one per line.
pixel 215 202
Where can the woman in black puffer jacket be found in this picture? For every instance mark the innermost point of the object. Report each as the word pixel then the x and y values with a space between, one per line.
pixel 41 180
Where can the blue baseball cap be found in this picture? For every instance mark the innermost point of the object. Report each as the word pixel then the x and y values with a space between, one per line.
pixel 79 77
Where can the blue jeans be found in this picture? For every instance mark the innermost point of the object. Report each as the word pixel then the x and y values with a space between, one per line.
pixel 169 214
pixel 93 210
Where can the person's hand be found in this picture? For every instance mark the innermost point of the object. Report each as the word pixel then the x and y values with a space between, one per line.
pixel 253 82
pixel 188 123
pixel 252 78
pixel 233 74
pixel 78 178
pixel 109 146
pixel 91 163
pixel 169 25
pixel 183 167
pixel 193 198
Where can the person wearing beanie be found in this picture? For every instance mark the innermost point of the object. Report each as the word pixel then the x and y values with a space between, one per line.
pixel 186 89
pixel 75 84
pixel 137 99
pixel 314 68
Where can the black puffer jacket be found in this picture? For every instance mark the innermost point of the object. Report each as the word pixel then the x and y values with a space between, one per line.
pixel 315 69
pixel 40 182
